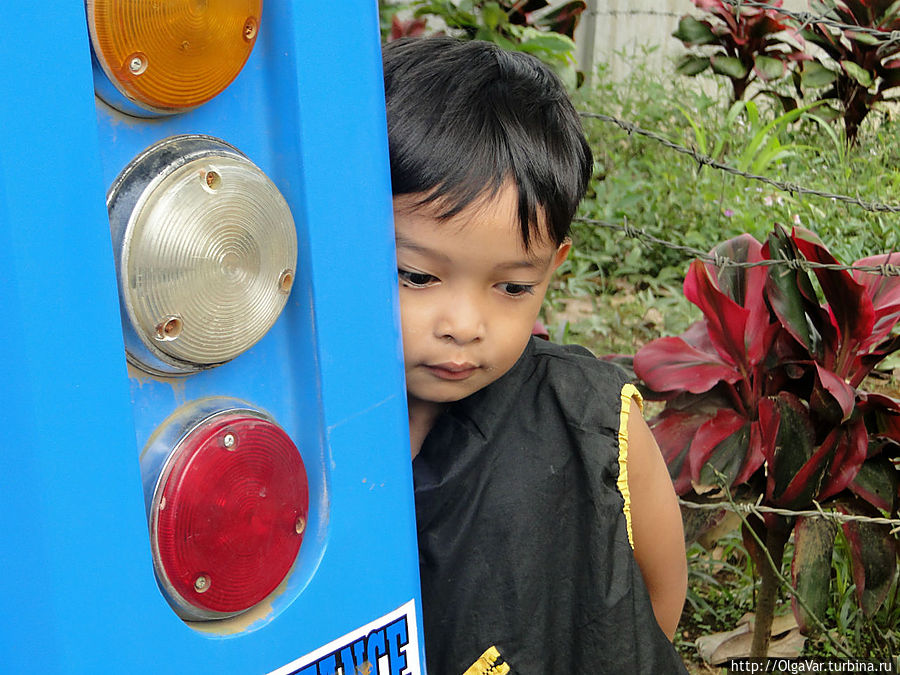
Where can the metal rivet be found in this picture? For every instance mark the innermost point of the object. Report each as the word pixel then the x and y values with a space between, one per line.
pixel 169 328
pixel 300 525
pixel 250 28
pixel 201 584
pixel 285 281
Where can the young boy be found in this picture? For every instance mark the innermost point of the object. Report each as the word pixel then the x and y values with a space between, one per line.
pixel 550 539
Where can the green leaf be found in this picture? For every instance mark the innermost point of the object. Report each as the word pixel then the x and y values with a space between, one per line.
pixel 794 451
pixel 730 66
pixel 790 293
pixel 876 482
pixel 862 38
pixel 769 68
pixel 493 15
pixel 762 140
pixel 694 32
pixel 811 570
pixel 814 75
pixel 858 73
pixel 699 134
pixel 828 113
pixel 550 43
pixel 727 458
pixel 891 12
pixel 691 65
pixel 770 155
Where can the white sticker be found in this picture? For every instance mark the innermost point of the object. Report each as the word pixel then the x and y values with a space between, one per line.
pixel 385 646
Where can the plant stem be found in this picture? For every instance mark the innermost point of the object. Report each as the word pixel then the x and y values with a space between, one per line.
pixel 776 538
pixel 784 582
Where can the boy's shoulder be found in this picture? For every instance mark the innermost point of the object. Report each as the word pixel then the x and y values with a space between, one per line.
pixel 575 362
pixel 573 375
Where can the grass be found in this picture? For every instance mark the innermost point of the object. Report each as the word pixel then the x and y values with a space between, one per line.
pixel 722 585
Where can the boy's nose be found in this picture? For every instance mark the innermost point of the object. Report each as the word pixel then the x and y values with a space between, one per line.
pixel 461 321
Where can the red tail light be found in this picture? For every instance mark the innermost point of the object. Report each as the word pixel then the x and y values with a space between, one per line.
pixel 227 514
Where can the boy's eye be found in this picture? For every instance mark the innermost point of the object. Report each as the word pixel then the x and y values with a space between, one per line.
pixel 517 289
pixel 416 279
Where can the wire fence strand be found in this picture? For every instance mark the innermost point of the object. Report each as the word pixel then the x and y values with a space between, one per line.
pixel 704 160
pixel 884 269
pixel 758 509
pixel 805 19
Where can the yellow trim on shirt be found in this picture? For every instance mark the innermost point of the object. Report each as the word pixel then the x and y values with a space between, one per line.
pixel 487 664
pixel 629 394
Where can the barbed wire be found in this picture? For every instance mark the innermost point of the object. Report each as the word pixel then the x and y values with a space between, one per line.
pixel 803 19
pixel 758 509
pixel 884 269
pixel 807 18
pixel 636 12
pixel 704 160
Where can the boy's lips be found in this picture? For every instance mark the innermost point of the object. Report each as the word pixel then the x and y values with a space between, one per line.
pixel 452 371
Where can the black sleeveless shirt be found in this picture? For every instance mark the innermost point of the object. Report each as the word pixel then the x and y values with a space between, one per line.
pixel 524 547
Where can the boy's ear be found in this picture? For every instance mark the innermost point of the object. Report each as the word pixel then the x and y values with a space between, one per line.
pixel 562 253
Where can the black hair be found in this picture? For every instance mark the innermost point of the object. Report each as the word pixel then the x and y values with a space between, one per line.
pixel 466 116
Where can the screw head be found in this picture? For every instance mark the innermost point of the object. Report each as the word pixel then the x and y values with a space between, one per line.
pixel 136 63
pixel 229 440
pixel 201 584
pixel 300 525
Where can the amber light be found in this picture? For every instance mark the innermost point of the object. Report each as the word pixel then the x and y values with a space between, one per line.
pixel 228 514
pixel 172 56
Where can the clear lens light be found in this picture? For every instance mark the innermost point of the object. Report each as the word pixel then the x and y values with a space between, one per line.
pixel 174 55
pixel 207 257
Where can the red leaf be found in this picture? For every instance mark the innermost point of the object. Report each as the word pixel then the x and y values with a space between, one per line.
pixel 792 296
pixel 754 457
pixel 745 285
pixel 710 435
pixel 841 392
pixel 848 302
pixel 727 321
pixel 671 363
pixel 674 430
pixel 884 292
pixel 850 446
pixel 886 411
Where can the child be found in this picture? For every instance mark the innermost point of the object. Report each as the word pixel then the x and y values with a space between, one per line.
pixel 545 512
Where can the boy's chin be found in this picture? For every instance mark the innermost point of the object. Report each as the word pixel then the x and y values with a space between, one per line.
pixel 440 395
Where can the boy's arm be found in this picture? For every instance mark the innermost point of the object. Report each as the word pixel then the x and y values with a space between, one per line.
pixel 656 524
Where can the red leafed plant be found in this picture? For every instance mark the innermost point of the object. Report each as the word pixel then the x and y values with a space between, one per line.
pixel 864 61
pixel 742 43
pixel 766 391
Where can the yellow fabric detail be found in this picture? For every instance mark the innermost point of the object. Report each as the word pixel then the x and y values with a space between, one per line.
pixel 487 664
pixel 629 394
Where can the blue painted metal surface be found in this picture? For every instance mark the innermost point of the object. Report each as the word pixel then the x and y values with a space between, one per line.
pixel 77 590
